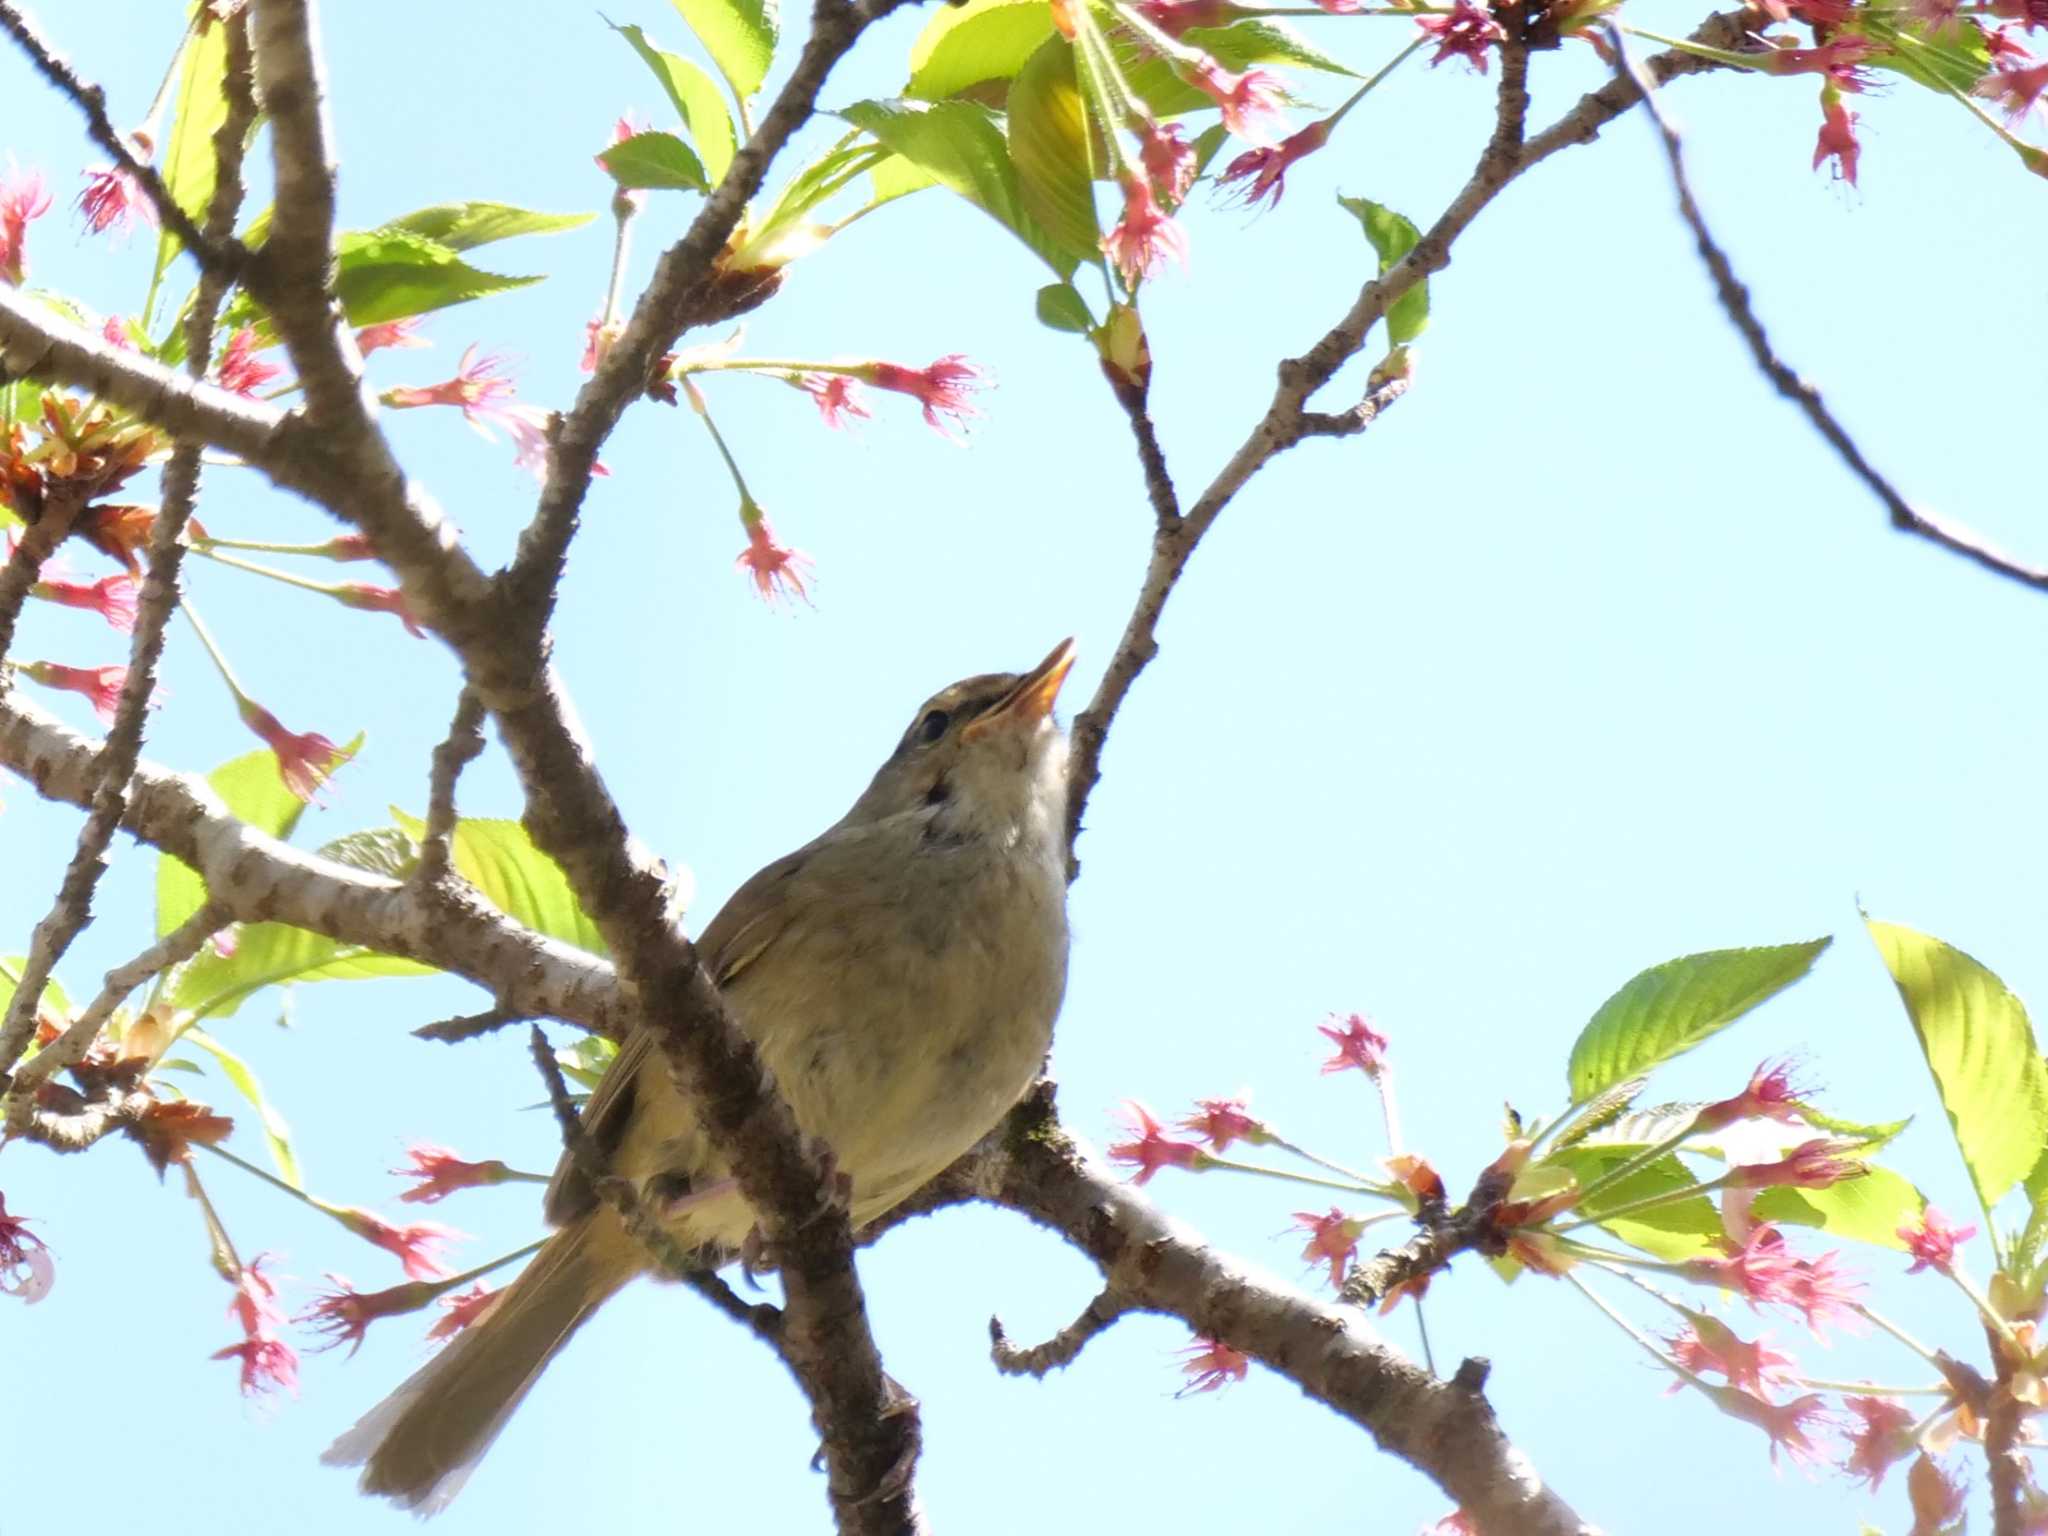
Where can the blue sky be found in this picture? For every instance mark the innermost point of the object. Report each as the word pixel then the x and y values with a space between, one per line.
pixel 1586 656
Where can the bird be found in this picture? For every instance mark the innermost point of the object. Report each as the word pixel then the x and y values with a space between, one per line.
pixel 899 975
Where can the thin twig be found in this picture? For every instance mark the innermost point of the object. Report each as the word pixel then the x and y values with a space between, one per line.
pixel 1064 1347
pixel 1734 297
pixel 670 1256
pixel 687 289
pixel 464 741
pixel 70 1047
pixel 72 908
pixel 470 1025
pixel 218 252
pixel 1508 153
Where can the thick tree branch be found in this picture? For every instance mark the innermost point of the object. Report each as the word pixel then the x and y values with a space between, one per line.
pixel 1506 156
pixel 869 1444
pixel 259 879
pixel 1734 297
pixel 1442 1428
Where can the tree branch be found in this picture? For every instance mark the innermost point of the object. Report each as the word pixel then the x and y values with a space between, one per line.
pixel 69 1048
pixel 1286 421
pixel 1063 1348
pixel 218 252
pixel 464 741
pixel 259 879
pixel 72 908
pixel 1442 1428
pixel 688 289
pixel 1734 297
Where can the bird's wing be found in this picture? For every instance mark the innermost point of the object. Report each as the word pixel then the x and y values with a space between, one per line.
pixel 744 928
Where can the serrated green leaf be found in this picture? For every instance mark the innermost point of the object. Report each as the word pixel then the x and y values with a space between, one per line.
pixel 500 860
pixel 1237 47
pixel 1643 1128
pixel 1048 134
pixel 1672 1007
pixel 266 954
pixel 1873 1135
pixel 696 98
pixel 1953 62
pixel 188 166
pixel 964 45
pixel 1980 1047
pixel 660 161
pixel 252 791
pixel 276 1133
pixel 1254 41
pixel 388 274
pixel 55 999
pixel 465 226
pixel 1063 309
pixel 892 177
pixel 739 35
pixel 1609 1107
pixel 586 1060
pixel 814 184
pixel 959 145
pixel 1869 1209
pixel 1393 237
pixel 1208 143
pixel 1682 1229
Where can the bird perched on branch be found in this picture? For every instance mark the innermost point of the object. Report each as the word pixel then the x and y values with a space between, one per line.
pixel 898 974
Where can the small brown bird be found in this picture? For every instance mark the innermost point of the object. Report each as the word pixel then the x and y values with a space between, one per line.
pixel 899 975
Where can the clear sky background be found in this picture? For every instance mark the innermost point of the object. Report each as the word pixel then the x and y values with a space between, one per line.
pixel 1588 655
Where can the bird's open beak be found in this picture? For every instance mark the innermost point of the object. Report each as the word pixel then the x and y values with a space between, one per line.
pixel 1031 700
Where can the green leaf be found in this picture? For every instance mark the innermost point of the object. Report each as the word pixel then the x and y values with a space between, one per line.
pixel 464 226
pixel 275 1131
pixel 1870 1209
pixel 657 160
pixel 1062 307
pixel 1681 1230
pixel 964 45
pixel 812 185
pixel 266 954
pixel 1873 1135
pixel 1208 143
pixel 584 1061
pixel 1672 1007
pixel 1980 1047
pixel 739 35
pixel 1604 1111
pixel 1957 61
pixel 250 788
pixel 960 146
pixel 55 998
pixel 696 98
pixel 188 165
pixel 1237 47
pixel 500 860
pixel 1048 133
pixel 893 176
pixel 1393 237
pixel 388 274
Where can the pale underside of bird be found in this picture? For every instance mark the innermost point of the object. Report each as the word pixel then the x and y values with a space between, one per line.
pixel 899 975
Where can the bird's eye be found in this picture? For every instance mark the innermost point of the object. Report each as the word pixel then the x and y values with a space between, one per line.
pixel 933 726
